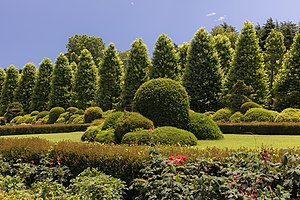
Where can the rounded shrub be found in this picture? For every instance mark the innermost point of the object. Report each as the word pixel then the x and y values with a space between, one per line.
pixel 30 119
pixel 34 113
pixel 222 115
pixel 54 114
pixel 289 115
pixel 129 122
pixel 247 105
pixel 42 115
pixel 72 117
pixel 92 113
pixel 61 120
pixel 105 136
pixel 138 137
pixel 45 119
pixel 97 122
pixel 236 117
pixel 260 115
pixel 15 119
pixel 112 120
pixel 78 120
pixel 203 127
pixel 164 101
pixel 79 112
pixel 72 110
pixel 172 135
pixel 90 133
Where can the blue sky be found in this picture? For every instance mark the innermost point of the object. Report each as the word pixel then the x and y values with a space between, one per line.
pixel 33 29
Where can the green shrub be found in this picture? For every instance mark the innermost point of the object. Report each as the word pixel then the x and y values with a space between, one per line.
pixel 23 119
pixel 92 113
pixel 203 127
pixel 138 137
pixel 112 120
pixel 90 133
pixel 15 119
pixel 72 110
pixel 107 113
pixel 289 115
pixel 79 112
pixel 164 101
pixel 236 117
pixel 72 117
pixel 34 113
pixel 247 105
pixel 98 122
pixel 54 114
pixel 129 122
pixel 13 110
pixel 42 114
pixel 222 115
pixel 260 115
pixel 30 119
pixel 45 119
pixel 106 136
pixel 172 135
pixel 65 115
pixel 209 113
pixel 78 120
pixel 61 120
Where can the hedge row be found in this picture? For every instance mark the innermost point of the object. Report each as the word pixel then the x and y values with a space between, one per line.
pixel 261 128
pixel 39 129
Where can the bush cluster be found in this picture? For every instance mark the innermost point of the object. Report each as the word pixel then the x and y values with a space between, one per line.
pixel 288 115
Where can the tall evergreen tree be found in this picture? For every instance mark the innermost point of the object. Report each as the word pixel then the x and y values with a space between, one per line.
pixel 61 83
pixel 182 57
pixel 264 31
pixel 85 84
pixel 136 71
pixel 274 52
pixel 287 86
pixel 248 64
pixel 227 30
pixel 225 52
pixel 9 86
pixel 2 78
pixel 110 77
pixel 164 59
pixel 40 96
pixel 202 77
pixel 288 29
pixel 24 91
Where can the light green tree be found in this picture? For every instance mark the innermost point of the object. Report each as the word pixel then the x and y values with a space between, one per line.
pixel 182 57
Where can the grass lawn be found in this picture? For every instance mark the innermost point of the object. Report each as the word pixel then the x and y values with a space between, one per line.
pixel 54 137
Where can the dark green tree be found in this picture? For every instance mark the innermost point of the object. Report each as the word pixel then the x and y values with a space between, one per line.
pixel 136 71
pixel 9 86
pixel 61 83
pixel 182 53
pixel 85 84
pixel 287 86
pixel 274 52
pixel 202 78
pixel 264 31
pixel 248 64
pixel 2 78
pixel 288 29
pixel 227 30
pixel 40 96
pixel 110 77
pixel 164 59
pixel 24 91
pixel 225 52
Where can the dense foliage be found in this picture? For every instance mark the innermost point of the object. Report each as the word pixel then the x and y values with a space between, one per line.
pixel 92 113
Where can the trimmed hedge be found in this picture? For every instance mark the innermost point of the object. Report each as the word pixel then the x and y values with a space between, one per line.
pixel 260 115
pixel 222 115
pixel 236 117
pixel 112 119
pixel 289 115
pixel 137 137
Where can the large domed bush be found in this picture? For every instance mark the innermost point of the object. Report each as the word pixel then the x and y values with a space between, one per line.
pixel 137 137
pixel 289 115
pixel 260 115
pixel 92 113
pixel 203 127
pixel 222 115
pixel 164 101
pixel 105 136
pixel 112 119
pixel 236 117
pixel 90 133
pixel 247 105
pixel 42 115
pixel 54 114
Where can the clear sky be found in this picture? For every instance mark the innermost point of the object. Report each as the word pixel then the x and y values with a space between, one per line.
pixel 33 29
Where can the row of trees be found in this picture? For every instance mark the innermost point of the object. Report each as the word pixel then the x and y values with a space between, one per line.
pixel 208 67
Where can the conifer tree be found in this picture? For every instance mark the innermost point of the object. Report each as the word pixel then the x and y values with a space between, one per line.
pixel 182 57
pixel 61 83
pixel 274 52
pixel 40 96
pixel 24 91
pixel 9 86
pixel 164 59
pixel 202 77
pixel 110 77
pixel 287 86
pixel 85 84
pixel 136 71
pixel 225 52
pixel 248 64
pixel 2 78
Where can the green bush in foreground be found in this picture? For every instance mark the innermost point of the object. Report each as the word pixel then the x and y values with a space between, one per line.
pixel 90 133
pixel 54 114
pixel 112 120
pixel 105 136
pixel 289 115
pixel 222 115
pixel 260 115
pixel 92 113
pixel 236 117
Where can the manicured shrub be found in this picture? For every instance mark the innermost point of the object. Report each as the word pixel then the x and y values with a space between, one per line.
pixel 106 136
pixel 78 120
pixel 34 113
pixel 112 120
pixel 72 110
pixel 129 122
pixel 30 119
pixel 71 119
pixel 203 127
pixel 289 115
pixel 61 120
pixel 54 114
pixel 98 122
pixel 222 115
pixel 236 117
pixel 23 119
pixel 15 119
pixel 138 137
pixel 90 133
pixel 65 115
pixel 79 112
pixel 209 113
pixel 92 113
pixel 45 119
pixel 260 115
pixel 164 101
pixel 14 109
pixel 42 115
pixel 247 105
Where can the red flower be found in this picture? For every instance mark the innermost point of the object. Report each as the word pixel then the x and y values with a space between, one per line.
pixel 178 161
pixel 150 130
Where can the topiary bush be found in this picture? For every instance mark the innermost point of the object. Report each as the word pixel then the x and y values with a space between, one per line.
pixel 79 112
pixel 92 113
pixel 112 120
pixel 247 105
pixel 42 115
pixel 164 101
pixel 78 120
pixel 34 113
pixel 222 115
pixel 138 137
pixel 13 110
pixel 236 117
pixel 90 133
pixel 203 127
pixel 15 119
pixel 129 122
pixel 54 114
pixel 260 115
pixel 72 110
pixel 289 115
pixel 106 136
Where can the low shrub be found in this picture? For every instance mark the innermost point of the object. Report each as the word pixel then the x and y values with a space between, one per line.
pixel 72 110
pixel 111 120
pixel 97 122
pixel 289 115
pixel 54 114
pixel 15 119
pixel 14 109
pixel 92 113
pixel 138 137
pixel 248 105
pixel 260 115
pixel 24 119
pixel 222 115
pixel 78 120
pixel 90 133
pixel 42 114
pixel 60 120
pixel 34 113
pixel 203 127
pixel 129 122
pixel 45 119
pixel 79 112
pixel 30 119
pixel 106 136
pixel 65 115
pixel 236 117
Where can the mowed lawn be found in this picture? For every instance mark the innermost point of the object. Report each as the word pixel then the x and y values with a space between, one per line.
pixel 231 141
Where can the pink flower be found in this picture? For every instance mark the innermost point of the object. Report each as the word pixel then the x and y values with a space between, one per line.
pixel 178 161
pixel 150 129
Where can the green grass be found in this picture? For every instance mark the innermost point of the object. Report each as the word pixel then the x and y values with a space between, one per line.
pixel 54 137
